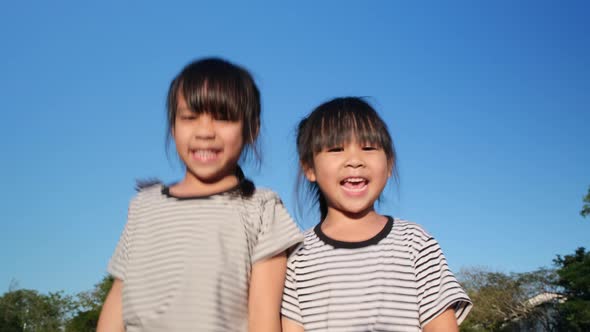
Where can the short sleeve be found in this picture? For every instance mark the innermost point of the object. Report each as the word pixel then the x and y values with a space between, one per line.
pixel 438 289
pixel 117 266
pixel 290 306
pixel 277 231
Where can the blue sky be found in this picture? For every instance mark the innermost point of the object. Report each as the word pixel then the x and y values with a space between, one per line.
pixel 488 104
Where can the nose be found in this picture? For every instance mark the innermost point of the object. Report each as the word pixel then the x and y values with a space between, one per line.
pixel 354 158
pixel 204 127
pixel 355 163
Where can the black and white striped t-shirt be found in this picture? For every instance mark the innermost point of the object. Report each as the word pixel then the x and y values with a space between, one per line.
pixel 186 262
pixel 397 281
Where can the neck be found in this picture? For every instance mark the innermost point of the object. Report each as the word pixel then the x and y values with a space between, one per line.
pixel 342 226
pixel 193 186
pixel 337 217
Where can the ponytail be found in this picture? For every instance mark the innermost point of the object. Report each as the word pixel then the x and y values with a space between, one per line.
pixel 245 186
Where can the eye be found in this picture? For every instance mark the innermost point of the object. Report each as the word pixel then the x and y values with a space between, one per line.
pixel 223 120
pixel 335 149
pixel 187 116
pixel 370 148
pixel 224 117
pixel 221 117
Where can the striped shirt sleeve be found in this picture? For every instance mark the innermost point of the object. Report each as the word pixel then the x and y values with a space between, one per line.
pixel 290 306
pixel 278 231
pixel 118 264
pixel 438 288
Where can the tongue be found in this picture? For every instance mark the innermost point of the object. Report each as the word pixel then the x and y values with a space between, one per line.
pixel 354 185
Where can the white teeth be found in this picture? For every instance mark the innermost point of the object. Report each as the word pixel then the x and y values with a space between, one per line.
pixel 204 154
pixel 354 184
pixel 354 180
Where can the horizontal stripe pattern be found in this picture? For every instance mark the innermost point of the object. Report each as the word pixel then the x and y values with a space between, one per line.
pixel 400 283
pixel 186 263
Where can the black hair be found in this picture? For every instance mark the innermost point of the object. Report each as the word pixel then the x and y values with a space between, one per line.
pixel 225 91
pixel 337 122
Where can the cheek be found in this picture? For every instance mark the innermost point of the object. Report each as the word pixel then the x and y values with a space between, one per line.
pixel 179 135
pixel 237 140
pixel 385 170
pixel 234 137
pixel 325 173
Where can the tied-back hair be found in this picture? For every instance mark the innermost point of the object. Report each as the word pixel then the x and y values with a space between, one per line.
pixel 334 123
pixel 245 186
pixel 141 184
pixel 225 91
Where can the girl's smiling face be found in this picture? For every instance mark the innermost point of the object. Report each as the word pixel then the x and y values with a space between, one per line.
pixel 351 176
pixel 209 147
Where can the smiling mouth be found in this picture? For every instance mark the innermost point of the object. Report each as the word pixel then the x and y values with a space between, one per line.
pixel 205 155
pixel 354 184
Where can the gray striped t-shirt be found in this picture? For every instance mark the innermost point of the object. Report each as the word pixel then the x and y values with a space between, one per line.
pixel 186 263
pixel 396 281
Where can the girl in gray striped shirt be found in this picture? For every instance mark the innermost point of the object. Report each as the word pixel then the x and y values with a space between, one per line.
pixel 358 270
pixel 207 253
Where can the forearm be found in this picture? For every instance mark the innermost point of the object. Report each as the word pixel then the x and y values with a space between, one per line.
pixel 445 322
pixel 266 289
pixel 290 326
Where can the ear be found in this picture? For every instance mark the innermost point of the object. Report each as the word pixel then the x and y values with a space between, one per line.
pixel 309 172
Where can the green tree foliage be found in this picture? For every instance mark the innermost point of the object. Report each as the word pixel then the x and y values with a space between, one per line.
pixel 28 310
pixel 502 302
pixel 586 207
pixel 9 322
pixel 89 306
pixel 574 278
pixel 84 321
pixel 24 310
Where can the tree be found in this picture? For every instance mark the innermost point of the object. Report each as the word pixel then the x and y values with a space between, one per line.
pixel 9 322
pixel 574 278
pixel 24 310
pixel 84 321
pixel 28 310
pixel 503 302
pixel 586 207
pixel 89 306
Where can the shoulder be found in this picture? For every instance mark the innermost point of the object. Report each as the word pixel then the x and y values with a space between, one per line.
pixel 146 189
pixel 408 229
pixel 311 245
pixel 310 238
pixel 147 193
pixel 262 198
pixel 263 207
pixel 266 195
pixel 411 235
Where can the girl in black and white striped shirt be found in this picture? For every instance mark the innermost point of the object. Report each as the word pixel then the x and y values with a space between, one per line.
pixel 358 270
pixel 208 252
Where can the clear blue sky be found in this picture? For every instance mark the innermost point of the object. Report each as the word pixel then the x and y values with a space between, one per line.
pixel 488 103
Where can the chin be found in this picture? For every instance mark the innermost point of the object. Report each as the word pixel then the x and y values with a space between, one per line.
pixel 206 177
pixel 357 212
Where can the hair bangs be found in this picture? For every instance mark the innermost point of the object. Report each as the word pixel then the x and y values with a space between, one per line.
pixel 221 99
pixel 344 126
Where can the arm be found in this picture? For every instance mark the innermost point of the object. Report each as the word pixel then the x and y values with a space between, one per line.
pixel 445 322
pixel 266 290
pixel 111 315
pixel 290 326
